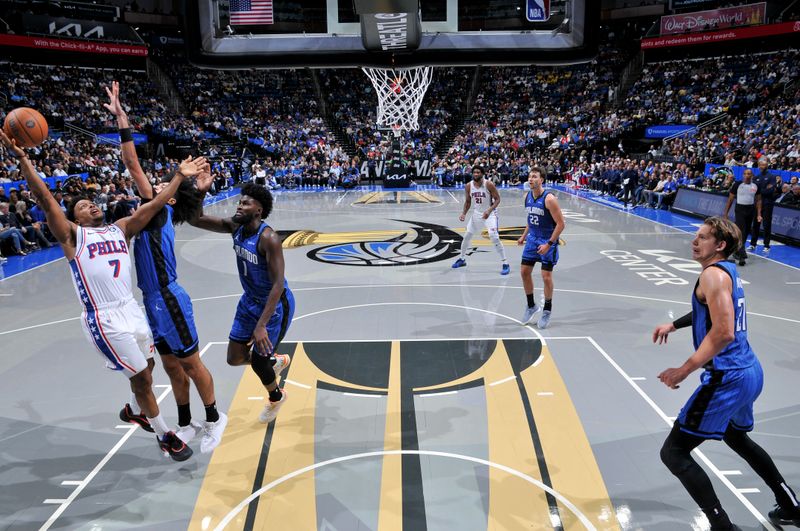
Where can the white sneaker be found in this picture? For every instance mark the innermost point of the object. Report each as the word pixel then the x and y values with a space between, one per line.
pixel 187 433
pixel 270 411
pixel 751 248
pixel 544 319
pixel 212 434
pixel 281 362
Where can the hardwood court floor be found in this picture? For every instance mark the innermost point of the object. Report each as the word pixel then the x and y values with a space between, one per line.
pixel 417 400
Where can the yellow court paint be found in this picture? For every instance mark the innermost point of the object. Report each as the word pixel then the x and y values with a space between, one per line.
pixel 513 502
pixel 571 462
pixel 231 472
pixel 390 516
pixel 292 504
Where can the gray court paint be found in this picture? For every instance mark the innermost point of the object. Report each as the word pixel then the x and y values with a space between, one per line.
pixel 52 378
pixel 656 274
pixel 456 492
pixel 346 425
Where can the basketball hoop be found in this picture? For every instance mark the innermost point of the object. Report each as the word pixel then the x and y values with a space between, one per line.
pixel 400 93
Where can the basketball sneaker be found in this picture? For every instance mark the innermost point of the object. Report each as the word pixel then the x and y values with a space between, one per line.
pixel 781 516
pixel 544 319
pixel 127 415
pixel 459 263
pixel 212 434
pixel 505 270
pixel 766 251
pixel 175 448
pixel 281 362
pixel 270 411
pixel 751 248
pixel 189 432
pixel 529 313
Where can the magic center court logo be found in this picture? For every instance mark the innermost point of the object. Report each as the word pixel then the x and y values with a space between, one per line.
pixel 421 243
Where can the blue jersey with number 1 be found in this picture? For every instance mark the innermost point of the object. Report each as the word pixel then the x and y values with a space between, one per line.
pixel 253 266
pixel 737 354
pixel 540 223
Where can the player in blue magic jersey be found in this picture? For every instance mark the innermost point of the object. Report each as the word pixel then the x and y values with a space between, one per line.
pixel 167 305
pixel 545 223
pixel 266 307
pixel 722 406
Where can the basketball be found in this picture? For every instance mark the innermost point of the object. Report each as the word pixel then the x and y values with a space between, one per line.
pixel 27 126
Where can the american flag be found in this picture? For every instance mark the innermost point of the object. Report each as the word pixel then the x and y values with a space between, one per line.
pixel 250 12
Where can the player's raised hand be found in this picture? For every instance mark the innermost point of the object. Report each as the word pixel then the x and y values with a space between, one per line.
pixel 662 331
pixel 11 145
pixel 114 106
pixel 191 167
pixel 204 179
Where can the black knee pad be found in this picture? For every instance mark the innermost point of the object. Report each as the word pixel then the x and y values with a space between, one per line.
pixel 262 366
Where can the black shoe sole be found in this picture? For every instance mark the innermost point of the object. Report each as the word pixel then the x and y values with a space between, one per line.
pixel 182 456
pixel 133 420
pixel 783 522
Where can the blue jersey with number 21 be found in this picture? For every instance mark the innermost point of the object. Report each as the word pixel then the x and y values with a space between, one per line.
pixel 737 354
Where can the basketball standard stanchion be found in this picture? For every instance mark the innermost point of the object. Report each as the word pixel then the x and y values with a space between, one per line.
pixel 400 92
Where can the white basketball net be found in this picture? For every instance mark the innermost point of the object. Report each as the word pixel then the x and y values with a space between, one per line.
pixel 400 93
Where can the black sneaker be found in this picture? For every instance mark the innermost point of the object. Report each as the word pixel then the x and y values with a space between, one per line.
pixel 781 516
pixel 171 445
pixel 126 415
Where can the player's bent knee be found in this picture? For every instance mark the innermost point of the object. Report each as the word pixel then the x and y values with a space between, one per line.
pixel 141 382
pixel 238 354
pixel 675 459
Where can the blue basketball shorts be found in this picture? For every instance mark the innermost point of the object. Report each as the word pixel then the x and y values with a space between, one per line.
pixel 171 318
pixel 530 255
pixel 724 398
pixel 248 312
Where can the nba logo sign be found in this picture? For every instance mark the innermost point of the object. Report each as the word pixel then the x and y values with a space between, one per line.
pixel 537 10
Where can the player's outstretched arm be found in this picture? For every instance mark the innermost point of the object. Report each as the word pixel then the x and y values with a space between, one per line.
pixel 60 226
pixel 129 157
pixel 214 223
pixel 135 223
pixel 662 331
pixel 210 223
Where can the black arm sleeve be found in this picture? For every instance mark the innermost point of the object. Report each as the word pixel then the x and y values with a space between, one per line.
pixel 683 322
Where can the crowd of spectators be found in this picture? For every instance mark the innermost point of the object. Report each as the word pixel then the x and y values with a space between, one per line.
pixel 561 118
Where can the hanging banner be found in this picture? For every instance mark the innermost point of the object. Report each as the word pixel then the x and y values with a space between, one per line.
pixel 711 37
pixel 65 45
pixel 728 17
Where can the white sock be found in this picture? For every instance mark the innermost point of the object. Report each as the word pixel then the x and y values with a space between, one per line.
pixel 159 425
pixel 498 245
pixel 465 244
pixel 134 404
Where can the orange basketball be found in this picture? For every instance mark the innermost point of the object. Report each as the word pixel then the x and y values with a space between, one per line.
pixel 27 126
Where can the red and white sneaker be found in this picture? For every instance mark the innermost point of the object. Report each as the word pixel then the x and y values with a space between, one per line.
pixel 281 362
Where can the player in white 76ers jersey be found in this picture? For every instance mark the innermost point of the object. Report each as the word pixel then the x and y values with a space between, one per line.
pixel 486 198
pixel 100 266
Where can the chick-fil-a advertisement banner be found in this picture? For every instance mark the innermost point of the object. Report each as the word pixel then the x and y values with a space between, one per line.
pixel 714 19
